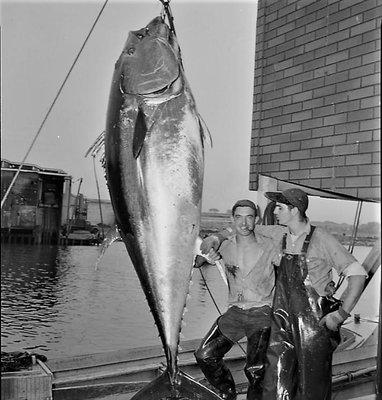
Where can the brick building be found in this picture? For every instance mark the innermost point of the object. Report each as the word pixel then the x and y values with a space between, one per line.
pixel 316 114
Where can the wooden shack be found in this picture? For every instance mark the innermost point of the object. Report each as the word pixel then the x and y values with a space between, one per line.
pixel 36 205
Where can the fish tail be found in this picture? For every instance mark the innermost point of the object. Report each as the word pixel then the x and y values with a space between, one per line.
pixel 184 387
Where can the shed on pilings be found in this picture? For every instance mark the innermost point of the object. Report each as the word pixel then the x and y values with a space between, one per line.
pixel 37 205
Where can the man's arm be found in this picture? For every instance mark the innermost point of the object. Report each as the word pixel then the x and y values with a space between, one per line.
pixel 350 297
pixel 271 231
pixel 213 242
pixel 353 292
pixel 346 265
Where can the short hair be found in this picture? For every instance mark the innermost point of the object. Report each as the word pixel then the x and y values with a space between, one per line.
pixel 293 197
pixel 244 203
pixel 303 216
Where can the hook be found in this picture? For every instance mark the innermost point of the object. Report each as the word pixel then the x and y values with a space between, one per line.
pixel 166 10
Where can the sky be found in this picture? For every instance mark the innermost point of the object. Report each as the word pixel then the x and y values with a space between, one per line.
pixel 40 41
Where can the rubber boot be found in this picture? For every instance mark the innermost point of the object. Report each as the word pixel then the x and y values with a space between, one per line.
pixel 255 366
pixel 209 357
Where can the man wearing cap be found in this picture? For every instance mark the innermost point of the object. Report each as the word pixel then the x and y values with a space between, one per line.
pixel 250 274
pixel 306 318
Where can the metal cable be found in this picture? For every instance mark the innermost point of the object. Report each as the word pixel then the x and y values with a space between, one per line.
pixel 51 106
pixel 209 291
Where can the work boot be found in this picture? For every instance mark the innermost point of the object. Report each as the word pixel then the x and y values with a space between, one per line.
pixel 209 357
pixel 254 369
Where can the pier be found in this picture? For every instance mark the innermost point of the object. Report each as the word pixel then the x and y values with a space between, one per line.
pixel 40 208
pixel 37 204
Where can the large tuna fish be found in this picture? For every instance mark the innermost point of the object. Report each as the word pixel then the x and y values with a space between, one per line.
pixel 154 170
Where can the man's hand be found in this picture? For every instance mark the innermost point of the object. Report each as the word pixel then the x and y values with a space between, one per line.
pixel 209 258
pixel 334 319
pixel 213 256
pixel 200 261
pixel 210 242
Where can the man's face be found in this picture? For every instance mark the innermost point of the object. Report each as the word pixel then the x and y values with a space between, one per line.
pixel 244 220
pixel 283 213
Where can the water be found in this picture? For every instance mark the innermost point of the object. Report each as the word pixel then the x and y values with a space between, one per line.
pixel 55 302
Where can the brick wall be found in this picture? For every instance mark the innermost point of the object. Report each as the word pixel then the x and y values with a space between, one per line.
pixel 316 103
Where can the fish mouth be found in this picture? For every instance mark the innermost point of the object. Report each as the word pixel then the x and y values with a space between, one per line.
pixel 171 89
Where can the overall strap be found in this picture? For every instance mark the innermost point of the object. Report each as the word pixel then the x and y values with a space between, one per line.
pixel 304 250
pixel 306 241
pixel 283 243
pixel 305 246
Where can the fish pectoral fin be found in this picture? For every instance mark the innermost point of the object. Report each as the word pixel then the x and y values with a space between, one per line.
pixel 185 388
pixel 203 129
pixel 140 131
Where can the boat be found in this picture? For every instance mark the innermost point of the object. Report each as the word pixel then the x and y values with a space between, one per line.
pixel 83 237
pixel 123 373
pixel 120 374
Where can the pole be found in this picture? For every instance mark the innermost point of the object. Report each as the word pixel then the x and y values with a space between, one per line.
pixel 99 196
pixel 69 196
pixel 355 226
pixel 75 207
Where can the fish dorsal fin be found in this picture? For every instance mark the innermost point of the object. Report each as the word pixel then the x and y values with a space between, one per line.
pixel 140 131
pixel 98 146
pixel 203 129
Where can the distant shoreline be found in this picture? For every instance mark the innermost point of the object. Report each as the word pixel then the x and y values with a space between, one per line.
pixel 367 234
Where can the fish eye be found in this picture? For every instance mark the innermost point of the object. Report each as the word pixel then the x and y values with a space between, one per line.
pixel 139 36
pixel 130 51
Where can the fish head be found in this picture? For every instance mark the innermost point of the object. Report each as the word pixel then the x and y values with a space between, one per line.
pixel 148 64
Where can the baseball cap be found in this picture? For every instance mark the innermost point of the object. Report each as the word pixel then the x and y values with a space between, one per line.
pixel 244 203
pixel 295 197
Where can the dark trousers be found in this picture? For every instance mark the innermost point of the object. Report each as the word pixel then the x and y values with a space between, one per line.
pixel 299 355
pixel 229 328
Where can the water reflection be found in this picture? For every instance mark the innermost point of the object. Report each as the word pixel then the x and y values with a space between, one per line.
pixel 55 302
pixel 29 277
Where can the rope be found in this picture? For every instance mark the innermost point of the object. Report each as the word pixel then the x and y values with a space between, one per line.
pixel 217 307
pixel 51 106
